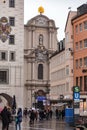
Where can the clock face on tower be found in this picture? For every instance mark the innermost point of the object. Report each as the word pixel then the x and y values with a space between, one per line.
pixel 41 21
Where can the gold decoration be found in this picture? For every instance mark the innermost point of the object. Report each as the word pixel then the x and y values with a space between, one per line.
pixel 41 10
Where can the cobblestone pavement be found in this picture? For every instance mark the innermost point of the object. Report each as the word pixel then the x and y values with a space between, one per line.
pixel 52 124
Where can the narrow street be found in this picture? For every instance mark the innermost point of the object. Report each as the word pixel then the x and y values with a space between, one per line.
pixel 52 124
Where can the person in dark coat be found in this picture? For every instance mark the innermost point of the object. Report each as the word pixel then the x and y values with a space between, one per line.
pixel 5 118
pixel 32 117
pixel 19 119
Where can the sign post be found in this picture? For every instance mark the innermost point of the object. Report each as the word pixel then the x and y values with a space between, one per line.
pixel 76 102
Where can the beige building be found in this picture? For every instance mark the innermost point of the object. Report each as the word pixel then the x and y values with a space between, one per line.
pixel 57 73
pixel 61 67
pixel 69 54
pixel 40 42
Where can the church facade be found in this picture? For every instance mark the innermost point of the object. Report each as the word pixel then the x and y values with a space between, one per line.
pixel 40 35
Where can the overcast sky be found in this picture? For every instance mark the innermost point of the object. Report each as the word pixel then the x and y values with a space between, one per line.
pixel 53 9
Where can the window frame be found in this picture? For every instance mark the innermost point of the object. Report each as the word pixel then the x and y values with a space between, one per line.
pixel 40 71
pixel 3 57
pixel 14 57
pixel 12 3
pixel 6 79
pixel 12 21
pixel 11 39
pixel 85 25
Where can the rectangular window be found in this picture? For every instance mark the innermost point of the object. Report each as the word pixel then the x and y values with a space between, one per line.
pixel 80 27
pixel 85 25
pixel 76 81
pixel 4 76
pixel 12 21
pixel 76 28
pixel 80 62
pixel 12 56
pixel 3 56
pixel 11 39
pixel 76 45
pixel 80 44
pixel 76 64
pixel 67 70
pixel 85 43
pixel 85 83
pixel 80 83
pixel 12 3
pixel 85 61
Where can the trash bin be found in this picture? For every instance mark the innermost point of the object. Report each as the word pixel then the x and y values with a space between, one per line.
pixel 69 116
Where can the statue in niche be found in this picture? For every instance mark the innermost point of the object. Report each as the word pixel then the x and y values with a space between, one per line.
pixel 40 39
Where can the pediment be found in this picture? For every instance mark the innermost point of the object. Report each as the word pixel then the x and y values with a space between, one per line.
pixel 40 20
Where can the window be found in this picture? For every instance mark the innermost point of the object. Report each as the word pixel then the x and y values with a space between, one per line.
pixel 80 62
pixel 11 3
pixel 80 44
pixel 85 61
pixel 67 70
pixel 76 45
pixel 80 27
pixel 3 56
pixel 4 76
pixel 12 21
pixel 40 71
pixel 85 25
pixel 76 28
pixel 80 83
pixel 85 43
pixel 76 64
pixel 12 56
pixel 11 39
pixel 85 83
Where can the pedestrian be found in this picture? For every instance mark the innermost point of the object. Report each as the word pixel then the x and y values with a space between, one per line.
pixel 51 113
pixel 19 119
pixel 32 117
pixel 9 117
pixel 57 113
pixel 5 117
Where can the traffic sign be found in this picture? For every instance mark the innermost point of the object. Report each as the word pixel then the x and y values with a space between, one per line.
pixel 76 96
pixel 76 89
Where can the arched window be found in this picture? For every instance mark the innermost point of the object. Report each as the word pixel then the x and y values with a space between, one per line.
pixel 40 71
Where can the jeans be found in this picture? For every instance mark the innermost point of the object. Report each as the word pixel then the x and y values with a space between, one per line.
pixel 18 126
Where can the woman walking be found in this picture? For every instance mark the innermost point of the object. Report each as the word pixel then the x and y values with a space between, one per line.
pixel 19 119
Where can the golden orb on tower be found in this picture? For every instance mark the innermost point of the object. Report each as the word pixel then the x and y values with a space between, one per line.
pixel 41 10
